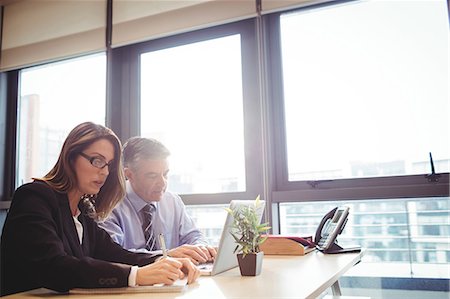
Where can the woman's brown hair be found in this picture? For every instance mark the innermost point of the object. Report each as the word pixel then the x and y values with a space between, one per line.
pixel 62 176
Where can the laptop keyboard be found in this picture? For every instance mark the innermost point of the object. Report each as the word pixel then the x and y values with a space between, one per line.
pixel 205 266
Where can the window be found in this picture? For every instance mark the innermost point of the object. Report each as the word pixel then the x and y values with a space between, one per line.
pixel 358 76
pixel 192 101
pixel 209 219
pixel 365 102
pixel 402 237
pixel 53 99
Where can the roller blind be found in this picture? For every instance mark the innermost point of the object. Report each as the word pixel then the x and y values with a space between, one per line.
pixel 37 31
pixel 268 6
pixel 136 21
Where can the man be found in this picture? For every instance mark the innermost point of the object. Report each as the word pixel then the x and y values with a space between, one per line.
pixel 149 210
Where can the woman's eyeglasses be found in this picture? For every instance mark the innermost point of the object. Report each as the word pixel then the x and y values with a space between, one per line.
pixel 97 162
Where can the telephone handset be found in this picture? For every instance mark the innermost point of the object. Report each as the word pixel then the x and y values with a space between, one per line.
pixel 330 227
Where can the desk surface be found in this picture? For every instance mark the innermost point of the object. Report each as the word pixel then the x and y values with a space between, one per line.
pixel 281 277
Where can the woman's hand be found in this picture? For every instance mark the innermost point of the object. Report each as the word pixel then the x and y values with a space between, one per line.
pixel 166 271
pixel 189 269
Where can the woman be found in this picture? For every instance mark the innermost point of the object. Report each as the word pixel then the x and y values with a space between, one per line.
pixel 50 238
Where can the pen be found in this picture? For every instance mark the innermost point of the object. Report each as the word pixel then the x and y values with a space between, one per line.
pixel 163 245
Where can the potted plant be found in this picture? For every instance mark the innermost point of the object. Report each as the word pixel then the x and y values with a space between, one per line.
pixel 248 233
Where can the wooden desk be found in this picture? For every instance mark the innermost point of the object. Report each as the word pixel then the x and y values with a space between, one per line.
pixel 281 277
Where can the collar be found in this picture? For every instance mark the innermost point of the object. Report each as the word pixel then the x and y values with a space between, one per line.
pixel 137 202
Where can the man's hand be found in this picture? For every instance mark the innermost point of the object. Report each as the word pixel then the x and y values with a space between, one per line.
pixel 198 254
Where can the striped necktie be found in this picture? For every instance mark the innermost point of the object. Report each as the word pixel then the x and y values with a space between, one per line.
pixel 147 226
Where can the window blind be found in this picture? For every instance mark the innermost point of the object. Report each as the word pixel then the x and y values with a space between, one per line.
pixel 41 31
pixel 136 21
pixel 269 6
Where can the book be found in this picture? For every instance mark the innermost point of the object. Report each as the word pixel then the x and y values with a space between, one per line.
pixel 287 245
pixel 177 287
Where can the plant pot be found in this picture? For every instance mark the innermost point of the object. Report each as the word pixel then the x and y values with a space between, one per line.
pixel 251 264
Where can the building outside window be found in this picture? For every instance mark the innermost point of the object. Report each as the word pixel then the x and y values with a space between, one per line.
pixel 366 95
pixel 366 89
pixel 53 99
pixel 402 237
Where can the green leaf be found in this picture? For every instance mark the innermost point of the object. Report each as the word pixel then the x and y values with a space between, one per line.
pixel 246 229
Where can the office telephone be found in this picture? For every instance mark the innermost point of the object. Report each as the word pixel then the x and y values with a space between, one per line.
pixel 330 227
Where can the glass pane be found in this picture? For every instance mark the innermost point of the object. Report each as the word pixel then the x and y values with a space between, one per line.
pixel 402 237
pixel 53 99
pixel 191 100
pixel 366 89
pixel 209 219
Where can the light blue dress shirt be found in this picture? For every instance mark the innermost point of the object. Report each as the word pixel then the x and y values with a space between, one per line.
pixel 124 224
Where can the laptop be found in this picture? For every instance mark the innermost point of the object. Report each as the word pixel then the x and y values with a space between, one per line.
pixel 226 258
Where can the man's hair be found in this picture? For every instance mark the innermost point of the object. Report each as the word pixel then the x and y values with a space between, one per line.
pixel 137 149
pixel 62 176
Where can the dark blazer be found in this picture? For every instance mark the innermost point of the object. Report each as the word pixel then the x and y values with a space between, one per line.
pixel 40 246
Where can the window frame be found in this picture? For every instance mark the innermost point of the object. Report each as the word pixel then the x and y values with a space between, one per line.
pixel 9 83
pixel 264 132
pixel 251 103
pixel 337 189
